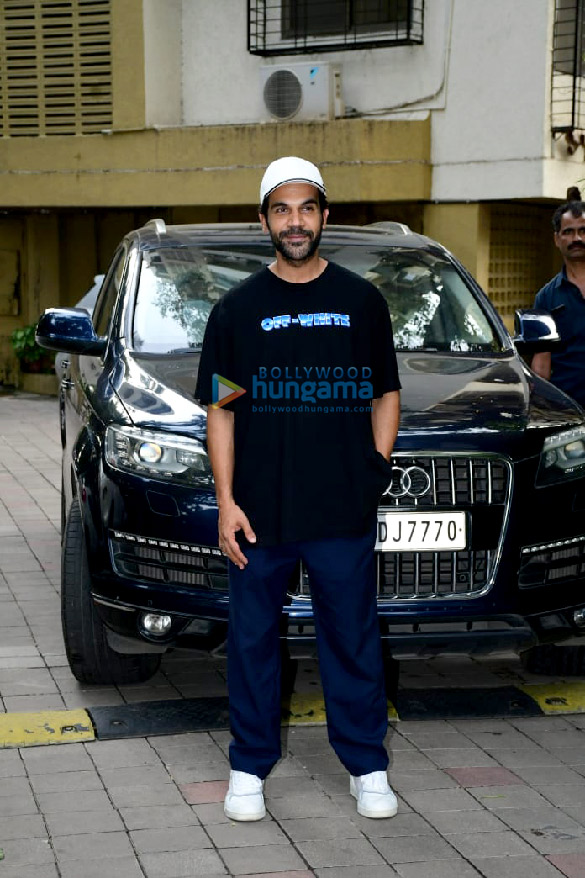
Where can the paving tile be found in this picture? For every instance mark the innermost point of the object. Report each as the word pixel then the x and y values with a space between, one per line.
pixel 571 865
pixel 81 800
pixel 276 787
pixel 303 806
pixel 178 838
pixel 551 840
pixel 46 870
pixel 27 681
pixel 14 806
pixel 532 755
pixel 47 760
pixel 508 797
pixel 409 760
pixel 422 780
pixel 261 858
pixel 441 800
pixel 205 792
pixel 415 849
pixel 321 828
pixel 484 776
pixel 92 846
pixel 154 817
pixel 117 867
pixel 440 869
pixel 559 739
pixel 289 874
pixel 14 786
pixel 541 776
pixel 182 864
pixel 339 852
pixel 144 775
pixel 83 822
pixel 188 773
pixel 159 794
pixel 213 813
pixel 26 852
pixel 11 765
pixel 489 844
pixel 536 819
pixel 565 794
pixel 517 867
pixel 66 782
pixel 231 835
pixel 446 822
pixel 24 826
pixel 29 703
pixel 122 754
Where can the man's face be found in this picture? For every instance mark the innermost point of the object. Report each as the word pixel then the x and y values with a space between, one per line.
pixel 570 239
pixel 294 221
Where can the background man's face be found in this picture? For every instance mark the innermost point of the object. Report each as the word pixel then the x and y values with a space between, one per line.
pixel 570 239
pixel 294 221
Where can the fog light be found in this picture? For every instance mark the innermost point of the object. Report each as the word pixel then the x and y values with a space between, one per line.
pixel 579 617
pixel 155 623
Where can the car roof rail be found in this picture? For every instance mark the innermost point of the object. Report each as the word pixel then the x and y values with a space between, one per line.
pixel 158 224
pixel 391 226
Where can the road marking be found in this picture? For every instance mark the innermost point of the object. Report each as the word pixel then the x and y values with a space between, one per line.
pixel 45 727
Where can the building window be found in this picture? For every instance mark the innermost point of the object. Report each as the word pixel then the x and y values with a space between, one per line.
pixel 568 95
pixel 55 67
pixel 290 27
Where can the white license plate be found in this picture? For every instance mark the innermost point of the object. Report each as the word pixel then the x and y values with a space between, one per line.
pixel 421 531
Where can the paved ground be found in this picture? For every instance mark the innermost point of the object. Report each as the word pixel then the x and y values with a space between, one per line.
pixel 500 798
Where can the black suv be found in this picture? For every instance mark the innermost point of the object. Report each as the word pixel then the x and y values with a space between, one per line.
pixel 481 531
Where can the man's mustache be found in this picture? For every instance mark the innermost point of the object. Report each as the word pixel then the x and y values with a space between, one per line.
pixel 295 233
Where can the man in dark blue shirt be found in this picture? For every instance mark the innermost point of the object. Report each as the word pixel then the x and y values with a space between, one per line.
pixel 564 298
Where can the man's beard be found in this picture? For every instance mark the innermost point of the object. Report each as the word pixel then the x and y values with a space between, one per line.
pixel 296 254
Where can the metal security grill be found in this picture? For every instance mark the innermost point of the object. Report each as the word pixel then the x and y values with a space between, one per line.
pixel 290 27
pixel 55 67
pixel 568 98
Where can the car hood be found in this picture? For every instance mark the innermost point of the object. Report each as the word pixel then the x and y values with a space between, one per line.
pixel 447 403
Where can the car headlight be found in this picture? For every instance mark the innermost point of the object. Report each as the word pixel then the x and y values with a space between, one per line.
pixel 562 457
pixel 158 456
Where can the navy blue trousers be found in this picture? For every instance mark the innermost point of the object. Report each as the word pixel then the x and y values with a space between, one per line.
pixel 343 591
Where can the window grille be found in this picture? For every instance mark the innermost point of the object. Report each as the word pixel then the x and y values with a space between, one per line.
pixel 55 67
pixel 568 97
pixel 292 27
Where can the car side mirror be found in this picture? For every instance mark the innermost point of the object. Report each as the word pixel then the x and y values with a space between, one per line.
pixel 534 331
pixel 71 330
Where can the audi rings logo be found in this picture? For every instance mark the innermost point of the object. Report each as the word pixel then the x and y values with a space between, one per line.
pixel 408 481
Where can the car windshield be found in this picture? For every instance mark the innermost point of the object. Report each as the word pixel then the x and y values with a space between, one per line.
pixel 432 307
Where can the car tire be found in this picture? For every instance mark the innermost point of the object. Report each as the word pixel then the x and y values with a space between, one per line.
pixel 90 657
pixel 552 660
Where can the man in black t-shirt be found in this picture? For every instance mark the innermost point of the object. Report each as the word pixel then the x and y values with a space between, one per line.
pixel 299 452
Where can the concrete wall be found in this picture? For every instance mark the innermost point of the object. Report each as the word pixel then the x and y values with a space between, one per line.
pixel 221 79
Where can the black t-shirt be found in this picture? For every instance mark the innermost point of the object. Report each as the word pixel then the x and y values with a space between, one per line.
pixel 310 356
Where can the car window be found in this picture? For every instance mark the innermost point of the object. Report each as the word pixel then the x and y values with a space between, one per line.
pixel 108 295
pixel 431 305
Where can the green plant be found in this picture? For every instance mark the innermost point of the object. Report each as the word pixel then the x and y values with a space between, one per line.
pixel 24 344
pixel 28 351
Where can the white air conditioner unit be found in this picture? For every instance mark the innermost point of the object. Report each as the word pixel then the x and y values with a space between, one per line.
pixel 302 91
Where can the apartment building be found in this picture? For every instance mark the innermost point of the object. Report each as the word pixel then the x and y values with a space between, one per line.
pixel 462 118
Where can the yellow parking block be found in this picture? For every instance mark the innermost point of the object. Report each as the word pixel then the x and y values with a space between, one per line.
pixel 45 727
pixel 564 696
pixel 305 709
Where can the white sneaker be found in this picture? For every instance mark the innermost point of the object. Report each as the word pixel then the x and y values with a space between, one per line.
pixel 244 799
pixel 374 796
